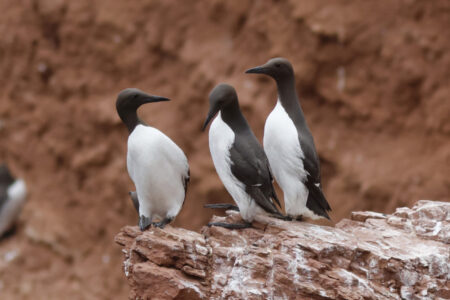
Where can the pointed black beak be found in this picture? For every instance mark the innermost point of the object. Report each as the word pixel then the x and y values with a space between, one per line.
pixel 212 112
pixel 257 70
pixel 152 98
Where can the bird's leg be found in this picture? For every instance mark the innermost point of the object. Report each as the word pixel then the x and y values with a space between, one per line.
pixel 230 226
pixel 163 223
pixel 299 218
pixel 144 222
pixel 227 206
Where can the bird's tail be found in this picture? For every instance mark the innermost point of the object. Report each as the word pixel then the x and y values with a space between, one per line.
pixel 275 197
pixel 226 206
pixel 316 200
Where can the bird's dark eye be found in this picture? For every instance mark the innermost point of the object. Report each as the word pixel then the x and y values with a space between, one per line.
pixel 277 65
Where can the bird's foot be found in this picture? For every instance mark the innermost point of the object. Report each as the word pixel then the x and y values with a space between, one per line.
pixel 230 226
pixel 282 217
pixel 144 222
pixel 293 218
pixel 163 223
pixel 226 206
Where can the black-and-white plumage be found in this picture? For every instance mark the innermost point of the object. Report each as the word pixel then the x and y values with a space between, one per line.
pixel 289 145
pixel 157 166
pixel 12 198
pixel 238 157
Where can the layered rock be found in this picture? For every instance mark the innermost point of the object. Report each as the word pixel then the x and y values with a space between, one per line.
pixel 405 255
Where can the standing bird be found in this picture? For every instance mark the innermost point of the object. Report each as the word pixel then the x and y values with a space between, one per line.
pixel 157 166
pixel 290 147
pixel 12 197
pixel 239 159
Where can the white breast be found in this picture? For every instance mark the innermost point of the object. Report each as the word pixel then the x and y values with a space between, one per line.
pixel 285 155
pixel 11 209
pixel 157 167
pixel 221 139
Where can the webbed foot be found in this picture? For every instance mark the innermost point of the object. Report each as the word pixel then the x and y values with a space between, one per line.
pixel 163 223
pixel 230 226
pixel 282 217
pixel 144 222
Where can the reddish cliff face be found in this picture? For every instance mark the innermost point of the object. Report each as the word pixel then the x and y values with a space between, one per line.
pixel 373 79
pixel 373 256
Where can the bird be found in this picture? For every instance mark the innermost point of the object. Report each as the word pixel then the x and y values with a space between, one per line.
pixel 157 166
pixel 13 194
pixel 290 148
pixel 239 159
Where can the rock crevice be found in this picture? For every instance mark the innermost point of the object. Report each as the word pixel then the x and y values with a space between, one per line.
pixel 371 256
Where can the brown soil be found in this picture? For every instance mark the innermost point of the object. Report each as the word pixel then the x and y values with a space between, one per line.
pixel 374 81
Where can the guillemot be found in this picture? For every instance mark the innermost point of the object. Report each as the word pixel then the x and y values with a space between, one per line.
pixel 290 148
pixel 157 166
pixel 12 197
pixel 239 159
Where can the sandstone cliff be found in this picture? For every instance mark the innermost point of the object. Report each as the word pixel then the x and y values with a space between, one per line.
pixel 372 256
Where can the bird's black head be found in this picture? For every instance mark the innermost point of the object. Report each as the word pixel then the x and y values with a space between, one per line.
pixel 131 99
pixel 278 68
pixel 221 96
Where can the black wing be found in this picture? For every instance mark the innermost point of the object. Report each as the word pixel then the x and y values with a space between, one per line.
pixel 186 180
pixel 316 199
pixel 250 166
pixel 134 199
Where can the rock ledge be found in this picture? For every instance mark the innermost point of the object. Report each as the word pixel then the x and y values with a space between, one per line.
pixel 405 255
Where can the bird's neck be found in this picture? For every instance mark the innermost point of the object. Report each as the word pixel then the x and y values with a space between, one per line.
pixel 287 91
pixel 130 118
pixel 232 116
pixel 287 94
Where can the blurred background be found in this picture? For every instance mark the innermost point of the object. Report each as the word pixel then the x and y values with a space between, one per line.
pixel 373 78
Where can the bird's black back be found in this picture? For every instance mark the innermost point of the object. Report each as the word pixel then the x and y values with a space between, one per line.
pixel 249 163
